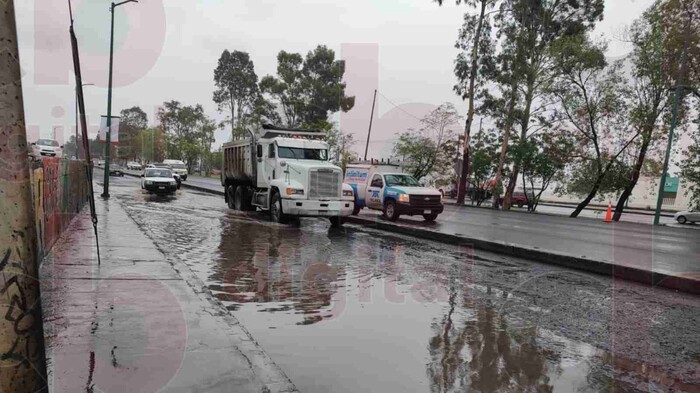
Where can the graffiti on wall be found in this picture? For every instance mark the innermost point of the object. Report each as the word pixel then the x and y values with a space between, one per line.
pixel 59 190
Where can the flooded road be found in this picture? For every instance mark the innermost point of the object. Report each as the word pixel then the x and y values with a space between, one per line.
pixel 358 310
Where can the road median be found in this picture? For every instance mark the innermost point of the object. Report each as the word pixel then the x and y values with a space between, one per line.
pixel 685 283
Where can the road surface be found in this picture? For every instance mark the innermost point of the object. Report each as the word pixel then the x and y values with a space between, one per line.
pixel 359 310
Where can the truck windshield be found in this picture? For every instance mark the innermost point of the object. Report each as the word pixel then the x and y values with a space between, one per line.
pixel 401 180
pixel 300 153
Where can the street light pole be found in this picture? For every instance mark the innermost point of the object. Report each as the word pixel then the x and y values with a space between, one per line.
pixel 105 192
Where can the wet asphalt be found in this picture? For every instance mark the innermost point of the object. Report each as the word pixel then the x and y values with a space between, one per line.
pixel 356 309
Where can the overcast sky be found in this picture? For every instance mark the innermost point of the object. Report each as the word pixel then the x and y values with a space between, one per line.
pixel 168 50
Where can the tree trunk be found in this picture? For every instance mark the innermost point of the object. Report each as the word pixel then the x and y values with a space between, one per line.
pixel 461 190
pixel 506 138
pixel 636 171
pixel 592 193
pixel 513 180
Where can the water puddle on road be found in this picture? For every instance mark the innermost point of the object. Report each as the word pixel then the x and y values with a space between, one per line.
pixel 356 310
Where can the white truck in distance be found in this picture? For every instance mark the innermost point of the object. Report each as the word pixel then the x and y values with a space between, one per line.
pixel 286 172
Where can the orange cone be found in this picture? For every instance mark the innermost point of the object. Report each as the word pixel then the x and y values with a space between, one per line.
pixel 608 214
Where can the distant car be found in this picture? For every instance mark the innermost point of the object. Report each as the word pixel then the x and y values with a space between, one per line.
pixel 116 170
pixel 158 181
pixel 47 148
pixel 687 216
pixel 150 166
pixel 520 199
pixel 133 165
pixel 178 167
pixel 100 163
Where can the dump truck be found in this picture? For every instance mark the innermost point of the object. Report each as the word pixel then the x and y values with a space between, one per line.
pixel 286 172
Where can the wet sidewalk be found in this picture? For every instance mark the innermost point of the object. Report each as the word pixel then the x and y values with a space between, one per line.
pixel 139 322
pixel 659 256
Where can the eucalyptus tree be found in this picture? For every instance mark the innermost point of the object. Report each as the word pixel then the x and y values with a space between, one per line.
pixel 474 40
pixel 594 100
pixel 652 88
pixel 236 87
pixel 534 25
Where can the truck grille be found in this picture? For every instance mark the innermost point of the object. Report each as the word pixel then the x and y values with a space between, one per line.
pixel 324 184
pixel 424 200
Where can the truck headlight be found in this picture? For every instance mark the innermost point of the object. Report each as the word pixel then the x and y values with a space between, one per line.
pixel 404 198
pixel 172 183
pixel 347 193
pixel 294 191
pixel 148 182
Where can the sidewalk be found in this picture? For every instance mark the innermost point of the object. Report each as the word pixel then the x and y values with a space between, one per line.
pixel 138 322
pixel 659 256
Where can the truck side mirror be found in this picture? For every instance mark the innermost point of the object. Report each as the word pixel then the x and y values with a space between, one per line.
pixel 260 152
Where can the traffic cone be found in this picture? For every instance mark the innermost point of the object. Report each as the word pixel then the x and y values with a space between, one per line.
pixel 608 214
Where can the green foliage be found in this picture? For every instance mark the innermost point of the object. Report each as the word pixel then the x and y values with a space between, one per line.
pixel 133 122
pixel 189 133
pixel 423 151
pixel 236 88
pixel 690 169
pixel 485 149
pixel 308 89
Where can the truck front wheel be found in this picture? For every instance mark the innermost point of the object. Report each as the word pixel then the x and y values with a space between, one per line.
pixel 356 209
pixel 390 211
pixel 337 221
pixel 276 214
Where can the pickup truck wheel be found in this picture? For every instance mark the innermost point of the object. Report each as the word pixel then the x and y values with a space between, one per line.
pixel 430 217
pixel 390 211
pixel 682 220
pixel 337 221
pixel 229 197
pixel 276 214
pixel 238 198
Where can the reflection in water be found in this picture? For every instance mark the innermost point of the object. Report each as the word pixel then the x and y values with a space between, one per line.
pixel 491 324
pixel 481 353
pixel 268 265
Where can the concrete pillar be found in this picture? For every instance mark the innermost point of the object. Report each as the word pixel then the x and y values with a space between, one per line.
pixel 22 357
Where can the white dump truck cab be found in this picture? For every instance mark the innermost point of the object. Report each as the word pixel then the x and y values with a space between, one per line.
pixel 286 172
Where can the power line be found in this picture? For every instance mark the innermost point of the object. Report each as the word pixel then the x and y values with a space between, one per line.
pixel 398 107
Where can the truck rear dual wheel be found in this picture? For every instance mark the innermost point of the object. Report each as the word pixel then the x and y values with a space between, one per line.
pixel 230 191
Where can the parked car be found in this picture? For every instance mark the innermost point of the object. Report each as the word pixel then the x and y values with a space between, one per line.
pixel 687 216
pixel 178 167
pixel 116 170
pixel 158 181
pixel 520 199
pixel 47 148
pixel 133 165
pixel 100 163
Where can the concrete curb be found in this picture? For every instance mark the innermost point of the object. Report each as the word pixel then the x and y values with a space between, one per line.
pixel 684 284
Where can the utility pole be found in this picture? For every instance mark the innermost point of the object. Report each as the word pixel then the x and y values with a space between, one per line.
pixel 674 121
pixel 371 117
pixel 77 128
pixel 22 353
pixel 105 192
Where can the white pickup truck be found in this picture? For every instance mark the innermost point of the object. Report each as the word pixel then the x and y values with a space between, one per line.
pixel 381 188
